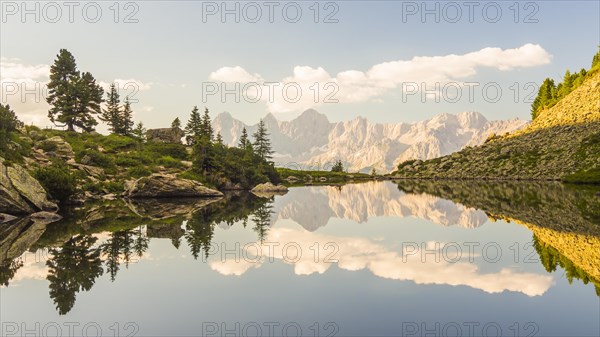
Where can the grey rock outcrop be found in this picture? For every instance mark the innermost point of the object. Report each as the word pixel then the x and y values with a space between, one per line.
pixel 168 186
pixel 20 193
pixel 165 135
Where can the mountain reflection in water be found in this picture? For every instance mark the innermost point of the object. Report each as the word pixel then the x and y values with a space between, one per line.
pixel 104 239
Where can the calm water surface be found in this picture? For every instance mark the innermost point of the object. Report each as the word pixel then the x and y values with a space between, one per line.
pixel 371 259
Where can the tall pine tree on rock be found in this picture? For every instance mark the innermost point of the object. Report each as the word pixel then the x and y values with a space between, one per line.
pixel 74 97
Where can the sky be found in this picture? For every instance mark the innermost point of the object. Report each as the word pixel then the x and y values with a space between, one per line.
pixel 388 61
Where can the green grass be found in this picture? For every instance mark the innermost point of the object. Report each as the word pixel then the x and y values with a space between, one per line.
pixel 332 177
pixel 591 176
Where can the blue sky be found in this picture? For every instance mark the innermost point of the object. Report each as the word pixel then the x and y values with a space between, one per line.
pixel 368 56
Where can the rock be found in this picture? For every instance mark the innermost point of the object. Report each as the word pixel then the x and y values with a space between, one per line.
pixel 323 179
pixel 20 193
pixel 292 178
pixel 6 218
pixel 109 197
pixel 165 135
pixel 45 217
pixel 169 186
pixel 268 187
pixel 93 171
pixel 62 148
pixel 85 160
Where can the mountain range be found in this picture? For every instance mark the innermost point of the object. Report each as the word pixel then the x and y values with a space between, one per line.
pixel 311 141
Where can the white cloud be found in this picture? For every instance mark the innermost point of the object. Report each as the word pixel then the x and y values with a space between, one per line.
pixel 353 86
pixel 356 253
pixel 234 74
pixel 12 70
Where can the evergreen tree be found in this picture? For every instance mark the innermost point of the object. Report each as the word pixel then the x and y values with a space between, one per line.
pixel 111 115
pixel 89 97
pixel 564 88
pixel 596 59
pixel 219 139
pixel 8 123
pixel 126 119
pixel 193 128
pixel 243 139
pixel 338 166
pixel 73 268
pixel 8 119
pixel 207 129
pixel 176 123
pixel 262 144
pixel 545 97
pixel 74 97
pixel 139 132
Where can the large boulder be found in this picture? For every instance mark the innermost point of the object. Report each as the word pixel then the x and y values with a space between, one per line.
pixel 269 187
pixel 20 193
pixel 165 135
pixel 60 147
pixel 168 186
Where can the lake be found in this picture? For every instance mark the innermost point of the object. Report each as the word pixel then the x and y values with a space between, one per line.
pixel 410 258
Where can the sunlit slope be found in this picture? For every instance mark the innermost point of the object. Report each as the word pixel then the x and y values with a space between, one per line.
pixel 563 140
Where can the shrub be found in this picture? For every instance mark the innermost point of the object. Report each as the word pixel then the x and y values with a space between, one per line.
pixel 191 175
pixel 57 180
pixel 116 142
pixel 170 162
pixel 113 186
pixel 48 146
pixel 138 172
pixel 177 151
pixel 98 159
pixel 127 161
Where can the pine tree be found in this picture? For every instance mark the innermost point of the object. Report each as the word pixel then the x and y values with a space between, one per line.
pixel 567 84
pixel 545 98
pixel 243 139
pixel 596 59
pixel 8 119
pixel 139 132
pixel 74 97
pixel 262 144
pixel 8 123
pixel 126 119
pixel 338 166
pixel 207 130
pixel 176 123
pixel 219 139
pixel 193 128
pixel 111 115
pixel 89 99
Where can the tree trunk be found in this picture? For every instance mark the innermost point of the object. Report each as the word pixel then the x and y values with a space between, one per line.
pixel 70 127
